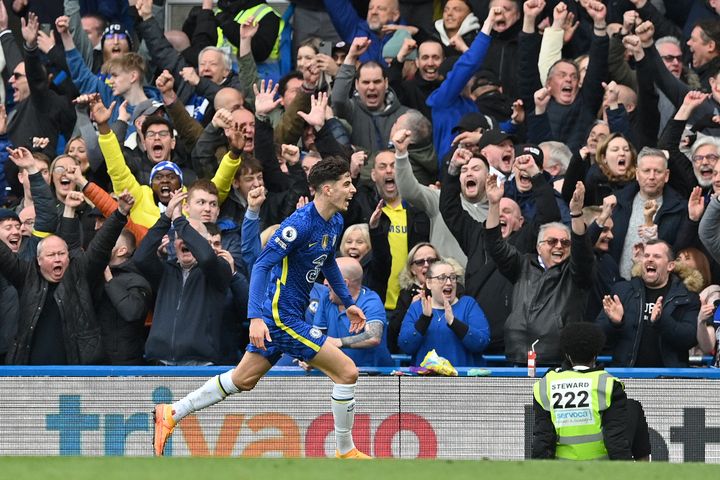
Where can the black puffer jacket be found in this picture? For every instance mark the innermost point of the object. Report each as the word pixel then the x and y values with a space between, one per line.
pixel 74 297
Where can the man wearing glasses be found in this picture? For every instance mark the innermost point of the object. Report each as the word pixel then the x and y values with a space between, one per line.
pixel 551 286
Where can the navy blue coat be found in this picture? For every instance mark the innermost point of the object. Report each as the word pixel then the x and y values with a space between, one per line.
pixel 676 326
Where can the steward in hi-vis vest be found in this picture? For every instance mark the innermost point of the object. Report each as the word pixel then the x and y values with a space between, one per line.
pixel 265 43
pixel 582 412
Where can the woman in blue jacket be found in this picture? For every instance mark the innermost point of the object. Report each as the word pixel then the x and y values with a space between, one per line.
pixel 455 327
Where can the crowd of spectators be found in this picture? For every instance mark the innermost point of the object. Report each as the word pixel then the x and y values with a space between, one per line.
pixel 519 165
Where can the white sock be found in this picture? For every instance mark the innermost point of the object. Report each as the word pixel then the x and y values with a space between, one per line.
pixel 212 392
pixel 343 408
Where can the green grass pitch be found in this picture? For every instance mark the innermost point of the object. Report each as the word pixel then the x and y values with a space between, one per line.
pixel 111 468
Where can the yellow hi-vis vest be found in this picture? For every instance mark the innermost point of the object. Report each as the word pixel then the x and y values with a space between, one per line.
pixel 575 401
pixel 259 12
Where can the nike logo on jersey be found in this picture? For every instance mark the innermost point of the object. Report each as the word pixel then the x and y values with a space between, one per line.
pixel 310 245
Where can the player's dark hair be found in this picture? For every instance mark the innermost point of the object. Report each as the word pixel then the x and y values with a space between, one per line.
pixel 329 169
pixel 582 342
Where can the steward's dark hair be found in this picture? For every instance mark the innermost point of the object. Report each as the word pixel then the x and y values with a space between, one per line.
pixel 582 342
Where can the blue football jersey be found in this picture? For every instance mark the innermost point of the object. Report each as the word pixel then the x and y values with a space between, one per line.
pixel 306 241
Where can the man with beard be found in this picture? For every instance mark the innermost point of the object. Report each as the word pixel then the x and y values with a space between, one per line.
pixel 350 26
pixel 413 93
pixel 651 320
pixel 380 205
pixel 551 285
pixel 483 280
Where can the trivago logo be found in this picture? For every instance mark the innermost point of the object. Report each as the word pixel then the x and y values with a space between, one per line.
pixel 291 441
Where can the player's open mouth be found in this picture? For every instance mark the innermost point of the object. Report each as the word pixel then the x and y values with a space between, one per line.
pixel 165 190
